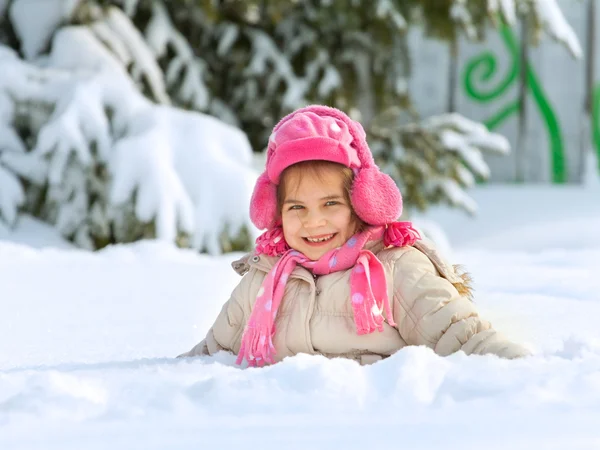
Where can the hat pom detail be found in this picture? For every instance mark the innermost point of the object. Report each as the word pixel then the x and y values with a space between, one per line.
pixel 375 197
pixel 263 204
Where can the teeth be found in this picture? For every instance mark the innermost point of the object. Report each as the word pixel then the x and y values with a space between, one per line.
pixel 320 239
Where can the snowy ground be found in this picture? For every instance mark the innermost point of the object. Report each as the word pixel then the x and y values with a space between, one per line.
pixel 87 344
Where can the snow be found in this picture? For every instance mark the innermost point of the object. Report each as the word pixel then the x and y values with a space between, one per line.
pixel 385 9
pixel 87 340
pixel 6 108
pixel 531 218
pixel 506 7
pixel 155 171
pixel 88 360
pixel 229 34
pixel 11 195
pixel 10 140
pixel 30 233
pixel 547 12
pixel 455 194
pixel 462 142
pixel 35 29
pixel 509 10
pixel 184 69
pixel 555 24
pixel 143 61
pixel 471 155
pixel 75 48
pixel 474 133
pixel 265 58
pixel 460 14
pixel 219 171
pixel 130 6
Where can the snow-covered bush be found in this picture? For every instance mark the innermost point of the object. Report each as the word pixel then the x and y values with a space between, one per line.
pixel 436 159
pixel 83 149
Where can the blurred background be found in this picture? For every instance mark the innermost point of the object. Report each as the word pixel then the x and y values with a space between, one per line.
pixel 135 119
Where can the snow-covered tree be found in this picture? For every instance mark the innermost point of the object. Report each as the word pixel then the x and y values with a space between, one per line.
pixel 436 159
pixel 106 105
pixel 82 148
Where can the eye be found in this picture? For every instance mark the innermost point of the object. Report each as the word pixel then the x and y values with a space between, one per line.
pixel 332 203
pixel 296 207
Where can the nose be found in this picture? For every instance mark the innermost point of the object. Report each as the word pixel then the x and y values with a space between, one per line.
pixel 314 219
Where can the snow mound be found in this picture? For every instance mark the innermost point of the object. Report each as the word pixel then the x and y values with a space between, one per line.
pixel 91 362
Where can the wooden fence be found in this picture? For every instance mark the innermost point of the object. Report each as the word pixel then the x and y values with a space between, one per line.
pixel 546 102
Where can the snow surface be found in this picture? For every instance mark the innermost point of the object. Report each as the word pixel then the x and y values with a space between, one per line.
pixel 88 339
pixel 33 233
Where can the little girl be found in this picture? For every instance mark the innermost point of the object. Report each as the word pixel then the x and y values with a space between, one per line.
pixel 335 274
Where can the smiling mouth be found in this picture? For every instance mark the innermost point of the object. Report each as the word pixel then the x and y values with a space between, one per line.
pixel 320 239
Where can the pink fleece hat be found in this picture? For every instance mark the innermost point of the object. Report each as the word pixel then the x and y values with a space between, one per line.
pixel 322 133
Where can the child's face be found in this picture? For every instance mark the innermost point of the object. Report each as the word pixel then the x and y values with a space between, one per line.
pixel 316 217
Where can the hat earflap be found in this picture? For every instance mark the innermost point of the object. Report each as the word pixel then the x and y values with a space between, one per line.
pixel 375 197
pixel 263 204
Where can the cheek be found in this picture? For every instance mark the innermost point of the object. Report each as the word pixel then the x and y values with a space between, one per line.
pixel 345 223
pixel 290 226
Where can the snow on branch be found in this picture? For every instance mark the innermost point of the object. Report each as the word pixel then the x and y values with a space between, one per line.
pixel 387 9
pixel 547 13
pixel 105 158
pixel 130 6
pixel 461 15
pixel 267 57
pixel 454 193
pixel 185 69
pixel 117 32
pixel 503 8
pixel 552 19
pixel 35 21
pixel 12 195
pixel 437 159
pixel 78 121
pixel 468 139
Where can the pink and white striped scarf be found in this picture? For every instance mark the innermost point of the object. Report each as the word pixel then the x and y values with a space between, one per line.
pixel 368 287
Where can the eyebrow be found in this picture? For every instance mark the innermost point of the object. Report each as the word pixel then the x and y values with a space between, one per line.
pixel 328 197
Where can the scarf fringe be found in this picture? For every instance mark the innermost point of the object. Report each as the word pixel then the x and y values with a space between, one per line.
pixel 365 319
pixel 272 242
pixel 264 350
pixel 371 300
pixel 400 234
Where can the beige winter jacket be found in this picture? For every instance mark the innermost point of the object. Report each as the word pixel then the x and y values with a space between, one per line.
pixel 431 306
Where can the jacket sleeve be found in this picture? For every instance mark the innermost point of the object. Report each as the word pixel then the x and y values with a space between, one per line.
pixel 428 310
pixel 226 332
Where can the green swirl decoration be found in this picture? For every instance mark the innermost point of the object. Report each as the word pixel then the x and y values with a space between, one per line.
pixel 486 63
pixel 484 66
